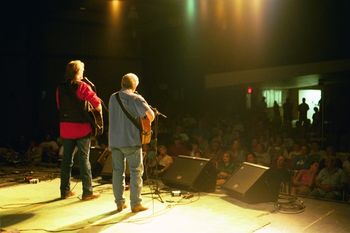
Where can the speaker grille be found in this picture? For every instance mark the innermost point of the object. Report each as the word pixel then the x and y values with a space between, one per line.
pixel 191 173
pixel 252 183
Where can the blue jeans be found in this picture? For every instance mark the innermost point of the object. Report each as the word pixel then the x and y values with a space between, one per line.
pixel 83 146
pixel 133 155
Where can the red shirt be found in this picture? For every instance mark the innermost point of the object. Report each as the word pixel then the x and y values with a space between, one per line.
pixel 307 178
pixel 73 130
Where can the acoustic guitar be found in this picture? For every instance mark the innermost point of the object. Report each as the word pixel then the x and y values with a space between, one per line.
pixel 96 120
pixel 95 117
pixel 145 130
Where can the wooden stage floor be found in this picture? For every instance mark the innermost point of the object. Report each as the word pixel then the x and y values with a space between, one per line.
pixel 28 207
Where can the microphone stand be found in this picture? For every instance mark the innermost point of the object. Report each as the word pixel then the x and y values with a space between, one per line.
pixel 156 190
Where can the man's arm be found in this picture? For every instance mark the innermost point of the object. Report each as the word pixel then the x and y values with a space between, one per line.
pixel 150 114
pixel 85 92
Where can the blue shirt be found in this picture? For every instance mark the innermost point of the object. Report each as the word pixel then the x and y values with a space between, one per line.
pixel 122 132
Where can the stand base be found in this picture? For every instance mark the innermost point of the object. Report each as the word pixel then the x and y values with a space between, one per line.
pixel 155 191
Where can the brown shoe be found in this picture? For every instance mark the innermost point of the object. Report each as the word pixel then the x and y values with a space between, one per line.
pixel 67 195
pixel 120 207
pixel 138 208
pixel 90 197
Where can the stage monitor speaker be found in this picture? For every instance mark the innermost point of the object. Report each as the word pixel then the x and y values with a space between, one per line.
pixel 107 169
pixel 97 158
pixel 191 173
pixel 253 183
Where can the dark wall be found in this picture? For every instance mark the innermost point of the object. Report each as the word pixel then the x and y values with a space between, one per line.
pixel 18 44
pixel 38 42
pixel 170 44
pixel 337 113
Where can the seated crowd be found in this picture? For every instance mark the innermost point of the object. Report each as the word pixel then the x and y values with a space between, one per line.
pixel 306 168
pixel 312 170
pixel 48 150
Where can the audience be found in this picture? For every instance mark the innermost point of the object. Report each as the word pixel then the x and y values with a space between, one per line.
pixel 178 147
pixel 195 150
pixel 238 153
pixel 302 160
pixel 50 149
pixel 276 148
pixel 330 182
pixel 315 153
pixel 34 153
pixel 225 167
pixel 294 152
pixel 225 140
pixel 162 162
pixel 262 157
pixel 251 158
pixel 214 150
pixel 304 180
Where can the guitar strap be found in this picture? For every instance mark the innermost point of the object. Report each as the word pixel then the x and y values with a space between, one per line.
pixel 133 120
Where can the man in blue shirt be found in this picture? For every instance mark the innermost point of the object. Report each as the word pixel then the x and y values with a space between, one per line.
pixel 125 141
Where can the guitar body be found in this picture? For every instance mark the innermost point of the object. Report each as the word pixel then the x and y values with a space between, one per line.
pixel 95 117
pixel 96 120
pixel 146 130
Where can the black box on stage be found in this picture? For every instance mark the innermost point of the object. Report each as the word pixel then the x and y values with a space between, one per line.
pixel 96 161
pixel 253 183
pixel 107 169
pixel 191 173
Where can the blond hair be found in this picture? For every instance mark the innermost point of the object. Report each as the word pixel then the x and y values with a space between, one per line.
pixel 73 68
pixel 130 81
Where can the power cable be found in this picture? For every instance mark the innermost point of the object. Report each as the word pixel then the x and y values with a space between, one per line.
pixel 287 204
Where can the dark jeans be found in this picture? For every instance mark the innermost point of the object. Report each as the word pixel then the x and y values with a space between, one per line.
pixel 83 152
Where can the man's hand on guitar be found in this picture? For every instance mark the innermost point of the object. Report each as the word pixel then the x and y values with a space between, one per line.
pixel 99 108
pixel 150 115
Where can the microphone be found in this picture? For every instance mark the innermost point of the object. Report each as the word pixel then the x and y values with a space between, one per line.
pixel 88 81
pixel 157 113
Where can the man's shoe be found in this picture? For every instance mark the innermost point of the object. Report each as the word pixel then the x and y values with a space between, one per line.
pixel 90 197
pixel 67 195
pixel 120 207
pixel 138 208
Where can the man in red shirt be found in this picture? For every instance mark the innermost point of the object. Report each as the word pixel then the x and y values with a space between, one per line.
pixel 72 97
